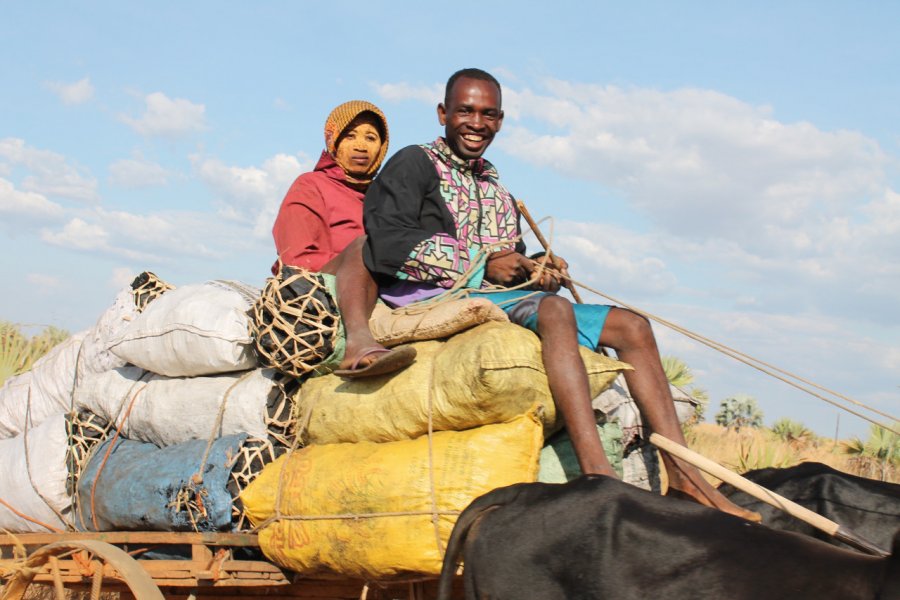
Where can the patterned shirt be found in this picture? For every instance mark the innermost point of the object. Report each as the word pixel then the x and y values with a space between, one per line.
pixel 438 210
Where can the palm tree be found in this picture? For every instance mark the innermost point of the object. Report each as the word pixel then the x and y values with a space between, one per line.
pixel 883 447
pixel 789 430
pixel 739 411
pixel 680 375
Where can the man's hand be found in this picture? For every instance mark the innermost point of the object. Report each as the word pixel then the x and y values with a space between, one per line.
pixel 512 268
pixel 507 268
pixel 555 273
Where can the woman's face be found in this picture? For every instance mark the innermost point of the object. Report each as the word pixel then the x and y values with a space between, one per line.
pixel 359 146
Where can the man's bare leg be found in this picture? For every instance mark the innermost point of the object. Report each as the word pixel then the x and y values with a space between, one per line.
pixel 357 293
pixel 631 336
pixel 569 383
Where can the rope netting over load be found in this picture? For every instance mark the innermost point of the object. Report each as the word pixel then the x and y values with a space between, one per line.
pixel 73 470
pixel 86 431
pixel 295 321
pixel 91 438
pixel 147 287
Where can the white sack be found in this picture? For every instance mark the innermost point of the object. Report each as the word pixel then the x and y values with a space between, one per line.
pixel 44 470
pixel 95 355
pixel 193 330
pixel 616 403
pixel 640 464
pixel 168 411
pixel 48 384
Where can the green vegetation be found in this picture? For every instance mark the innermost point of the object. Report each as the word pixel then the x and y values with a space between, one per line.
pixel 788 430
pixel 18 353
pixel 680 375
pixel 739 411
pixel 880 454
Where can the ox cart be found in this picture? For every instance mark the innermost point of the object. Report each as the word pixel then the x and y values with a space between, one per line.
pixel 227 566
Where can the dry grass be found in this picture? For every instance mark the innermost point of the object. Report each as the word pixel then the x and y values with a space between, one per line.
pixel 752 448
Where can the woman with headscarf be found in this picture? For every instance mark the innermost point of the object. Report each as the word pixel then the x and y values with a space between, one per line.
pixel 319 227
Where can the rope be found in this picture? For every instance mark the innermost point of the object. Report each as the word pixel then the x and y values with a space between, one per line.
pixel 432 489
pixel 87 431
pixel 27 518
pixel 217 426
pixel 750 361
pixel 755 363
pixel 28 424
pixel 112 444
pixel 293 322
pixel 302 425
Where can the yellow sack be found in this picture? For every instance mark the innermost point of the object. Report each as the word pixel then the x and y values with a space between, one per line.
pixel 367 480
pixel 488 374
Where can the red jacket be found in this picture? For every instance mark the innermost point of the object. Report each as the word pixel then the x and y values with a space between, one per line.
pixel 320 215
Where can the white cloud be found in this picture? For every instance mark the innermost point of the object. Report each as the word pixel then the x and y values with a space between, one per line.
pixel 50 174
pixel 72 93
pixel 78 234
pixel 168 117
pixel 430 94
pixel 609 258
pixel 121 277
pixel 43 282
pixel 150 238
pixel 252 194
pixel 27 204
pixel 697 162
pixel 693 161
pixel 133 173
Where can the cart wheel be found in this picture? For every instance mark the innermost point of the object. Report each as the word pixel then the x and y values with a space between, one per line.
pixel 93 561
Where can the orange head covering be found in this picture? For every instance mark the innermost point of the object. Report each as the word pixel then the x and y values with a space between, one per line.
pixel 341 117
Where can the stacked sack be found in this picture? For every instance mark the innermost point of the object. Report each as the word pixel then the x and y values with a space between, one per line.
pixel 390 461
pixel 192 417
pixel 36 417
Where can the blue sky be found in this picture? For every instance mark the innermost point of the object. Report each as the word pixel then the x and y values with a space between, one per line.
pixel 730 167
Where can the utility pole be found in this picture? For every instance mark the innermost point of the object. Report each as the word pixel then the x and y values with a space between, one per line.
pixel 837 426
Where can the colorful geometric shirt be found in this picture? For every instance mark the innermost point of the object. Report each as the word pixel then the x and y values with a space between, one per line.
pixel 429 213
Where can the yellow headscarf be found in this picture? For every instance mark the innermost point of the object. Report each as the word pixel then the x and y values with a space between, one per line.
pixel 342 116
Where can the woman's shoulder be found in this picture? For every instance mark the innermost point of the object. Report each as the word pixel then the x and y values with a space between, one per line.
pixel 307 188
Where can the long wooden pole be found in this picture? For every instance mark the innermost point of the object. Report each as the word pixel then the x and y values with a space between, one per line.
pixel 543 241
pixel 769 497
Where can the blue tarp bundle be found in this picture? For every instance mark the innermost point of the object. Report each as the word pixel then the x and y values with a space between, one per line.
pixel 140 483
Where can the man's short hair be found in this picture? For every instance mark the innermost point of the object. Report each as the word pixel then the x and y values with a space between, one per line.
pixel 470 73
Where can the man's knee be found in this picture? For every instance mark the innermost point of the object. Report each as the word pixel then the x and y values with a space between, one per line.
pixel 555 311
pixel 632 326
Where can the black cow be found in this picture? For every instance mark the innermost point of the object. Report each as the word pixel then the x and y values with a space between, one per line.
pixel 867 507
pixel 598 538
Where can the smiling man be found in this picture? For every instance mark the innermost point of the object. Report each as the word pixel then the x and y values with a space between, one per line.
pixel 438 217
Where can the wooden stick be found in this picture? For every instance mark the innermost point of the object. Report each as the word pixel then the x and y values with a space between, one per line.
pixel 769 497
pixel 537 233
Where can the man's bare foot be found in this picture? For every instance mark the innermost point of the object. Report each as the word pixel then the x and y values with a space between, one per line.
pixel 693 487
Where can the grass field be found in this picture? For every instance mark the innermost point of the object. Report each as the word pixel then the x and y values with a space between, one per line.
pixel 757 448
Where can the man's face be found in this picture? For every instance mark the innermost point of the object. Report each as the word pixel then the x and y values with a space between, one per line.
pixel 471 117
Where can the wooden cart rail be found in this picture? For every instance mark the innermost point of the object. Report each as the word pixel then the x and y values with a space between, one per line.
pixel 111 562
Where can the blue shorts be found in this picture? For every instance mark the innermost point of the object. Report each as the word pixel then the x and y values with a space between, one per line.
pixel 521 306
